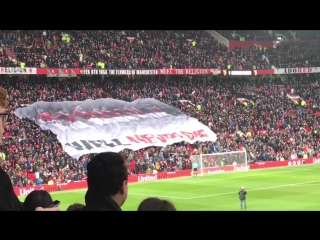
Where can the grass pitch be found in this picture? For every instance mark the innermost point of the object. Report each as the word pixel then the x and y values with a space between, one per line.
pixel 289 188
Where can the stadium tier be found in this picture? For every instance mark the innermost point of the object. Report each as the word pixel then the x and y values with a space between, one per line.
pixel 259 95
pixel 71 53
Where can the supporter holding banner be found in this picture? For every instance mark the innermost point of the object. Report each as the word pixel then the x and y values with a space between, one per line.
pixel 95 126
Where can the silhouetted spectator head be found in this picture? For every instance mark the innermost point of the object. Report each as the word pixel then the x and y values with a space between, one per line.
pixel 37 198
pixel 8 199
pixel 75 207
pixel 156 204
pixel 107 177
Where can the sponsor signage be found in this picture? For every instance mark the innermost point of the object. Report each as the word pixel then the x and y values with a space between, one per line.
pixel 241 168
pixel 294 162
pixel 316 160
pixel 25 190
pixel 189 71
pixel 124 72
pixel 65 72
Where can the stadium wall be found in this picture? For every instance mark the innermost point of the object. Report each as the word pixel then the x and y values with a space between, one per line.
pixel 24 191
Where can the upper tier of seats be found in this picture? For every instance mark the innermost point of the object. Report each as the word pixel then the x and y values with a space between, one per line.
pixel 261 35
pixel 150 49
pixel 269 35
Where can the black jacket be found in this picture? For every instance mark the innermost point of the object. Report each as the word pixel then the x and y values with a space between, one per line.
pixel 8 199
pixel 99 202
pixel 242 194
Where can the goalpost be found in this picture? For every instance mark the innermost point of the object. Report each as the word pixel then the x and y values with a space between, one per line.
pixel 220 162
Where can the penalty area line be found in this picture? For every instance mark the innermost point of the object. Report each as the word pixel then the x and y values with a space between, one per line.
pixel 244 176
pixel 221 194
pixel 255 189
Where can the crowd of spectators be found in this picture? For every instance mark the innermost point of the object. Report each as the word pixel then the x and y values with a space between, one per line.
pixel 294 54
pixel 150 49
pixel 272 127
pixel 115 48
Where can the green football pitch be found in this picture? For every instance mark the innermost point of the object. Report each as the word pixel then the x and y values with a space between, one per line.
pixel 288 188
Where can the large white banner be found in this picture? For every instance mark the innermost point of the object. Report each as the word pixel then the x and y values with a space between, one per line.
pixel 95 126
pixel 17 70
pixel 297 70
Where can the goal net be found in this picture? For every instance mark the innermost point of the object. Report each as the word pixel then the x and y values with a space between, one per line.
pixel 220 162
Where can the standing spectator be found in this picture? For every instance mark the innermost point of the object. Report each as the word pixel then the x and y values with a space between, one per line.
pixel 8 199
pixel 107 183
pixel 242 196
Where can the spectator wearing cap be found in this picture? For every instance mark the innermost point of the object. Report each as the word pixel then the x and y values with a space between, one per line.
pixel 38 198
pixel 107 183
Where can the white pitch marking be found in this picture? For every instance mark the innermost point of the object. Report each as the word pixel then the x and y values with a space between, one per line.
pixel 220 179
pixel 221 194
pixel 256 189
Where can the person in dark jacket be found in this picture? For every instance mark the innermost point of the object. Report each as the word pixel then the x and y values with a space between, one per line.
pixel 8 199
pixel 242 196
pixel 107 183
